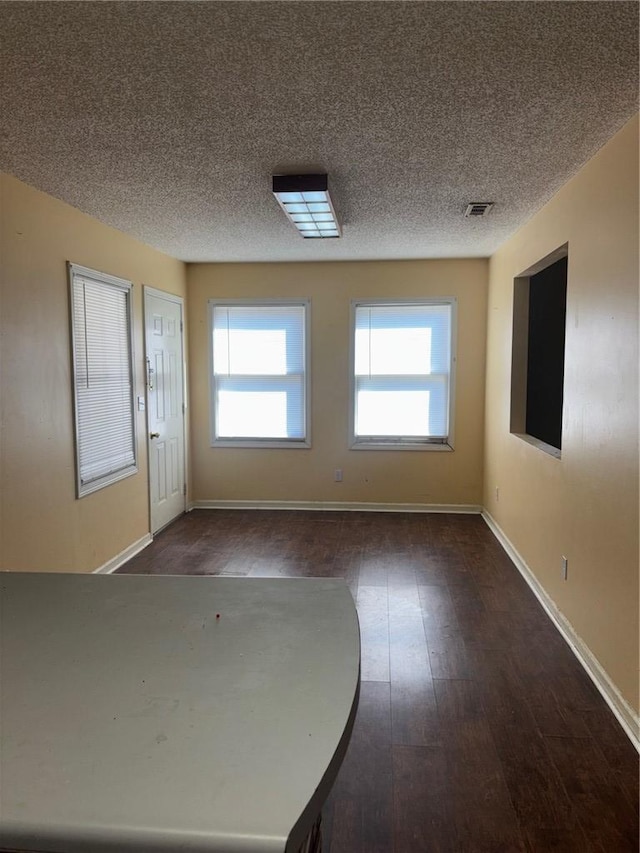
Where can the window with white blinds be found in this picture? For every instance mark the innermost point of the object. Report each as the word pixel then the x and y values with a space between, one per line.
pixel 102 378
pixel 402 374
pixel 259 373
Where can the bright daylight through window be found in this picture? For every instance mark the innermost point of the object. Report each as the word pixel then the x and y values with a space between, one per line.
pixel 402 373
pixel 259 376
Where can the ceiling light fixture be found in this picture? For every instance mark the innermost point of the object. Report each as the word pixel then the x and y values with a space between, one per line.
pixel 307 204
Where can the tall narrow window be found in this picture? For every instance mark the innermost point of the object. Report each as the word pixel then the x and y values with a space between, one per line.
pixel 402 373
pixel 259 375
pixel 102 379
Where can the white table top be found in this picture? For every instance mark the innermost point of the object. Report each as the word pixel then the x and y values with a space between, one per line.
pixel 135 719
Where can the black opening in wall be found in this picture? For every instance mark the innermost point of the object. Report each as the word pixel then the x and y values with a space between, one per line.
pixel 545 353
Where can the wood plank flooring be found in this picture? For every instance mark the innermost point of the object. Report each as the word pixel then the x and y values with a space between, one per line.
pixel 477 729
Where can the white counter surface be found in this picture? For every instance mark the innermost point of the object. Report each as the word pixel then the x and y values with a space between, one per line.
pixel 135 719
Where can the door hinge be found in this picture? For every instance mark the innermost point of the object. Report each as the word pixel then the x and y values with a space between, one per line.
pixel 184 490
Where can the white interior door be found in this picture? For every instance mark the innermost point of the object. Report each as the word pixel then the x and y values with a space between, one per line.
pixel 165 406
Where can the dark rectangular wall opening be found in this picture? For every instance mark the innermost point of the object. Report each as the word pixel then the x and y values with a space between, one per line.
pixel 545 354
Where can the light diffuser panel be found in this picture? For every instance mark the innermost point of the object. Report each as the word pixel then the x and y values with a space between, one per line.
pixel 307 204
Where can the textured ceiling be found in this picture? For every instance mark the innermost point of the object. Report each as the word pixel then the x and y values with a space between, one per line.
pixel 168 119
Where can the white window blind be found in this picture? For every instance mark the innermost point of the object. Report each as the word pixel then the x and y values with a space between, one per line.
pixel 259 372
pixel 402 372
pixel 103 381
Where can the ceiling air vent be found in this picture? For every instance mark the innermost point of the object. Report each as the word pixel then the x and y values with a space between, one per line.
pixel 478 208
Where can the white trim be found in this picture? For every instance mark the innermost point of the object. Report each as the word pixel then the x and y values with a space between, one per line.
pixel 428 446
pixel 121 558
pixel 264 443
pixel 101 277
pixel 624 713
pixel 162 294
pixel 339 506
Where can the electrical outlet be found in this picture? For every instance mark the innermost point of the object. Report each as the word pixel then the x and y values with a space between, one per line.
pixel 337 475
pixel 565 568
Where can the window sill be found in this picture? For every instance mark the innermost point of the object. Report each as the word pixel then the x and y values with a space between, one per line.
pixel 260 444
pixel 541 445
pixel 390 445
pixel 84 489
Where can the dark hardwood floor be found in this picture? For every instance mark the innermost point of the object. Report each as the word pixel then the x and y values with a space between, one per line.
pixel 477 729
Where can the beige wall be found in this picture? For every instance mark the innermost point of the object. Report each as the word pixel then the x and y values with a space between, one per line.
pixel 369 476
pixel 585 505
pixel 43 526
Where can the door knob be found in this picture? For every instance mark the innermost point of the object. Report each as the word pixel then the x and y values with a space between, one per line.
pixel 154 435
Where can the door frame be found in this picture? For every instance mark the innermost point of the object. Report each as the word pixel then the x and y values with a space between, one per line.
pixel 147 291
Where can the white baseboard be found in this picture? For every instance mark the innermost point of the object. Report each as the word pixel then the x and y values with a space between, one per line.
pixel 121 558
pixel 626 716
pixel 340 506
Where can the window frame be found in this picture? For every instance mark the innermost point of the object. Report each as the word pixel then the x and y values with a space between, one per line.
pixel 256 442
pixel 409 443
pixel 90 486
